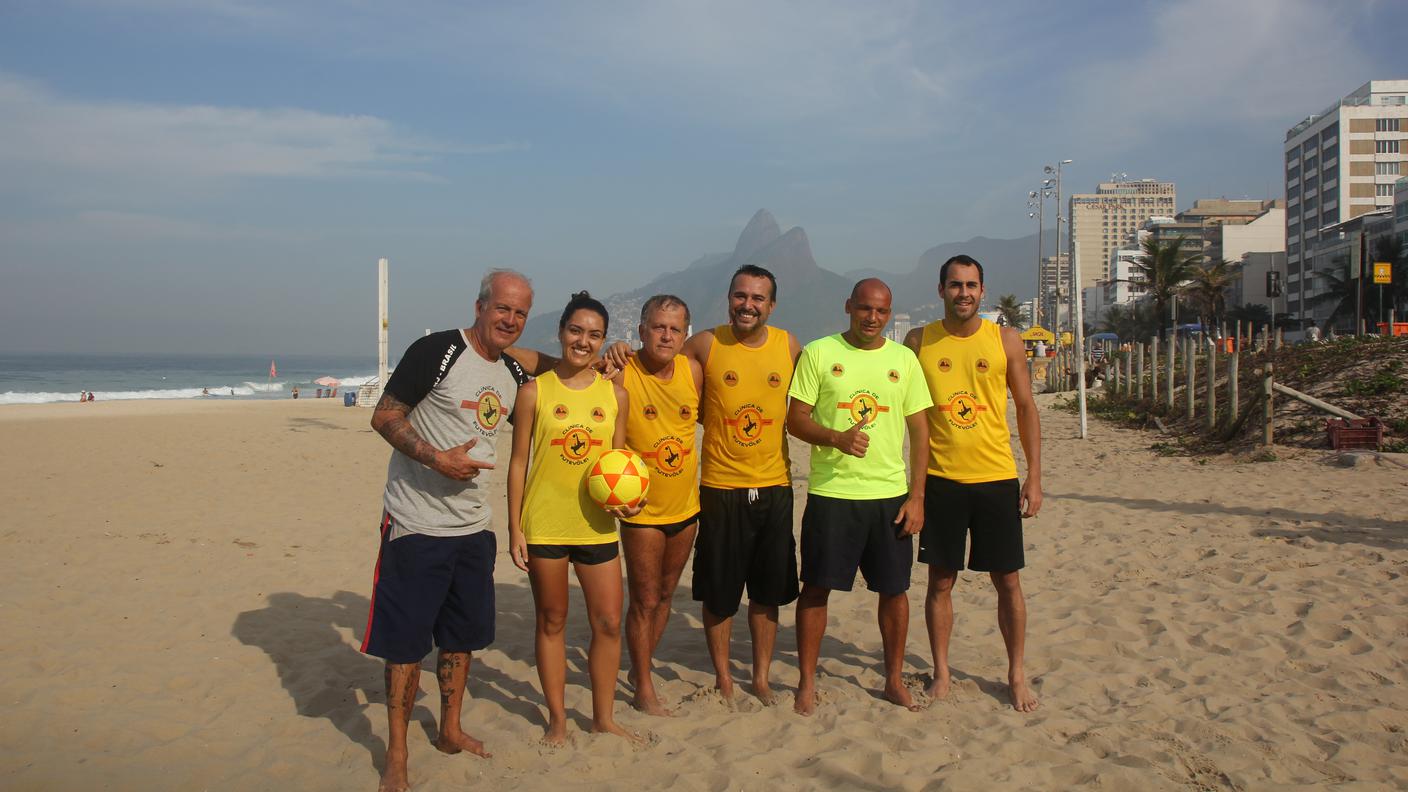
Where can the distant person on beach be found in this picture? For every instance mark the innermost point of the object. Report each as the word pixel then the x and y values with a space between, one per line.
pixel 90 395
pixel 970 365
pixel 854 395
pixel 295 391
pixel 664 387
pixel 441 412
pixel 745 494
pixel 82 397
pixel 564 420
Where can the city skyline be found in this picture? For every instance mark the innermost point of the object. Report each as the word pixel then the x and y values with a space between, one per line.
pixel 222 176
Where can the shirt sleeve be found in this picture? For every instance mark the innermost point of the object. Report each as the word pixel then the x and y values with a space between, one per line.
pixel 804 379
pixel 423 365
pixel 916 392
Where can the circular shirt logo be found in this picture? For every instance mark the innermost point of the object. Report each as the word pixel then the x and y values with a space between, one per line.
pixel 774 379
pixel 748 427
pixel 730 378
pixel 945 364
pixel 650 412
pixel 490 412
pixel 559 412
pixel 863 408
pixel 598 414
pixel 669 456
pixel 685 412
pixel 837 369
pixel 982 365
pixel 576 444
pixel 893 375
pixel 962 411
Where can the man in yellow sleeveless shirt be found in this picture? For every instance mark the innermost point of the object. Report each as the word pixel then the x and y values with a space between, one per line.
pixel 970 364
pixel 854 396
pixel 745 494
pixel 664 388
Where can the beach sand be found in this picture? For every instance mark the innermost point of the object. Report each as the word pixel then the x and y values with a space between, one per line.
pixel 187 585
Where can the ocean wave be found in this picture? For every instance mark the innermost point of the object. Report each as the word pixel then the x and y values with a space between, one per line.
pixel 245 389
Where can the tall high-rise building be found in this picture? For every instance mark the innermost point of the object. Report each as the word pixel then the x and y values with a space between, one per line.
pixel 1102 221
pixel 1340 163
pixel 1054 283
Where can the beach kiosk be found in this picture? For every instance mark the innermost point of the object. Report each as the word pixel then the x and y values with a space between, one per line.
pixel 1038 337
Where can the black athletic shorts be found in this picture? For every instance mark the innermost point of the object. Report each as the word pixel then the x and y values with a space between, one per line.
pixel 991 511
pixel 840 536
pixel 745 540
pixel 431 587
pixel 586 555
pixel 670 530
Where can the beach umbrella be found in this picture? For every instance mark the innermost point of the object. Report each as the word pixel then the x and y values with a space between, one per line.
pixel 328 382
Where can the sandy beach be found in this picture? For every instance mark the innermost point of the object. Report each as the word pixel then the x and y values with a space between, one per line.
pixel 190 581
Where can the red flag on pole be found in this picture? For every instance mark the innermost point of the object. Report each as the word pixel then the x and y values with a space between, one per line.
pixel 273 371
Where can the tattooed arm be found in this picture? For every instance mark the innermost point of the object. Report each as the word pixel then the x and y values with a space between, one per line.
pixel 390 420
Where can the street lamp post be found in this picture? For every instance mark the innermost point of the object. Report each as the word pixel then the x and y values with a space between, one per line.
pixel 1037 199
pixel 1056 169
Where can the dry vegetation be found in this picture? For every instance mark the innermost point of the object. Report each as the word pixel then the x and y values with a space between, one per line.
pixel 1366 376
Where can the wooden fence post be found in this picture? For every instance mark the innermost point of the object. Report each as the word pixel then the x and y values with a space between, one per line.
pixel 1267 390
pixel 1212 386
pixel 1138 350
pixel 1189 364
pixel 1154 369
pixel 1232 388
pixel 1172 375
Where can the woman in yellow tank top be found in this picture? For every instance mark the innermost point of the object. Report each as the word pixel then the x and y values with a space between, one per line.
pixel 562 423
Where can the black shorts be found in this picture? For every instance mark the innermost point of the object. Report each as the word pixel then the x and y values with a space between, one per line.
pixel 745 540
pixel 431 587
pixel 586 555
pixel 840 536
pixel 670 530
pixel 991 511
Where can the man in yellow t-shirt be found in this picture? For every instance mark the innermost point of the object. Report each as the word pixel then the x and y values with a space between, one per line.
pixel 745 493
pixel 664 388
pixel 854 395
pixel 970 364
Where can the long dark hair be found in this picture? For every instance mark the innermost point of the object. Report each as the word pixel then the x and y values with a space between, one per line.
pixel 579 301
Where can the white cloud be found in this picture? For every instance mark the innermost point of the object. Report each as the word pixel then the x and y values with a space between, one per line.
pixel 1211 62
pixel 53 135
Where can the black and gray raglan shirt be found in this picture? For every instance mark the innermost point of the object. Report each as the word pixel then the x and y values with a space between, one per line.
pixel 454 395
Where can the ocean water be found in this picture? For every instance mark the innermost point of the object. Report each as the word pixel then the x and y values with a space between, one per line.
pixel 36 379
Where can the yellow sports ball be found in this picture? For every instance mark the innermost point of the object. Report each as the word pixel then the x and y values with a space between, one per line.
pixel 619 478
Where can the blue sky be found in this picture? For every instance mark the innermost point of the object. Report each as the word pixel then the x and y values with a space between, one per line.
pixel 221 175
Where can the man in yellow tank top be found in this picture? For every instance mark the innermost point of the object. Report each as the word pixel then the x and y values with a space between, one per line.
pixel 664 388
pixel 970 364
pixel 745 494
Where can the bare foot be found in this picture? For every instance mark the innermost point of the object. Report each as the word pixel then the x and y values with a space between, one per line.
pixel 1023 697
pixel 393 778
pixel 612 727
pixel 556 733
pixel 454 743
pixel 764 693
pixel 938 690
pixel 897 693
pixel 725 687
pixel 806 700
pixel 650 705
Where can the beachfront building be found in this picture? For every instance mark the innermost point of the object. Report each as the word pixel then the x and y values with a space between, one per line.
pixel 1055 278
pixel 1102 221
pixel 1345 251
pixel 899 327
pixel 1340 164
pixel 1250 288
pixel 1400 211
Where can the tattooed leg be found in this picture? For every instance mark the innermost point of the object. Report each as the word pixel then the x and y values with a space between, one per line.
pixel 402 682
pixel 452 669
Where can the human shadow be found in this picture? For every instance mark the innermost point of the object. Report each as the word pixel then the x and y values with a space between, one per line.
pixel 324 673
pixel 1341 528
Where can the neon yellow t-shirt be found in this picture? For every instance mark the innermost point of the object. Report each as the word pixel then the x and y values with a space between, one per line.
pixel 846 385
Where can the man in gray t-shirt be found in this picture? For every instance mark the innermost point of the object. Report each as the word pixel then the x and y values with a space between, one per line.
pixel 441 411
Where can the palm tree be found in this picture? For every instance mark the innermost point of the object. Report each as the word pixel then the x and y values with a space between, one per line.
pixel 1130 321
pixel 1009 310
pixel 1162 270
pixel 1207 289
pixel 1341 292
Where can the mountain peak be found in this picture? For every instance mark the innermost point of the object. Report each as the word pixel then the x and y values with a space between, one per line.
pixel 761 231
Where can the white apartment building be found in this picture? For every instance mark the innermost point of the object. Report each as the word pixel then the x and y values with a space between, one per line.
pixel 1340 163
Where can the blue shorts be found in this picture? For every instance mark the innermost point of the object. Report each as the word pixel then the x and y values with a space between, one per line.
pixel 431 587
